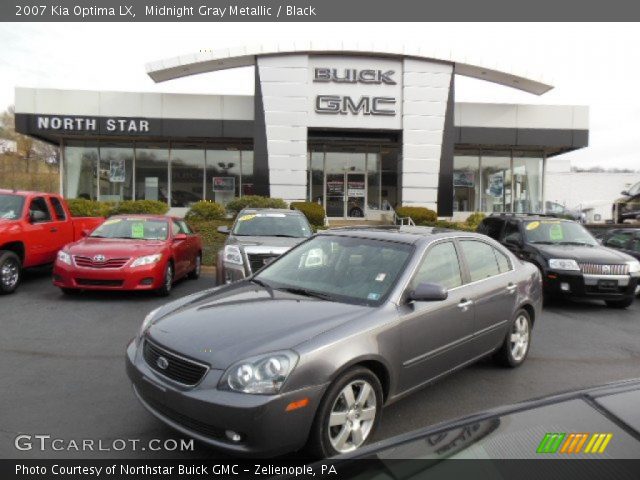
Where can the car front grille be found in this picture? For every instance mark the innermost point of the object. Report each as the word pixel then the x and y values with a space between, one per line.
pixel 187 422
pixel 598 269
pixel 90 282
pixel 178 368
pixel 259 260
pixel 90 263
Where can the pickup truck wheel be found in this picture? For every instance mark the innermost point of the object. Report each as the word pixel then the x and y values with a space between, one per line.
pixel 167 282
pixel 626 303
pixel 10 272
pixel 195 273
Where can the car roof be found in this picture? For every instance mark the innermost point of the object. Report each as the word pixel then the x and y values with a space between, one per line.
pixel 286 211
pixel 401 234
pixel 527 217
pixel 24 192
pixel 149 216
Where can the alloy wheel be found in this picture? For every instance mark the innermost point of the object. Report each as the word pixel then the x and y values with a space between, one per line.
pixel 352 416
pixel 168 278
pixel 519 338
pixel 9 274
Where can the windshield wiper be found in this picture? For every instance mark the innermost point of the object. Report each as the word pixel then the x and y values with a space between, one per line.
pixel 283 235
pixel 582 244
pixel 307 293
pixel 543 242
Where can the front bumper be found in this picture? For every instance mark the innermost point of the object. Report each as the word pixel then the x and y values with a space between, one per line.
pixel 597 287
pixel 232 272
pixel 146 277
pixel 205 413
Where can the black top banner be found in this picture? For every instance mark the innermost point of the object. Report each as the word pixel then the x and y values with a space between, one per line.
pixel 315 10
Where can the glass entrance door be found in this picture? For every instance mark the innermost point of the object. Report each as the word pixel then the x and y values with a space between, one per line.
pixel 345 195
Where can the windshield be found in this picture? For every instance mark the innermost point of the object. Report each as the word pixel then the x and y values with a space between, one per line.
pixel 136 228
pixel 558 232
pixel 11 206
pixel 352 270
pixel 272 225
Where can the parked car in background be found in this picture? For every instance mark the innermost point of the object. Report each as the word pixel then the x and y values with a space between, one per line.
pixel 308 350
pixel 627 207
pixel 626 240
pixel 258 236
pixel 130 252
pixel 572 262
pixel 598 422
pixel 33 227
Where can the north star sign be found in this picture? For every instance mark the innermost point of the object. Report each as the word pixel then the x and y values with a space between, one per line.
pixel 344 104
pixel 92 124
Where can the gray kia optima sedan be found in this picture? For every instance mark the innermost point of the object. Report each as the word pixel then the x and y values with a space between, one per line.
pixel 309 350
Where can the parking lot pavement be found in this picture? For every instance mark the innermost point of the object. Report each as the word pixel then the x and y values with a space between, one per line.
pixel 62 368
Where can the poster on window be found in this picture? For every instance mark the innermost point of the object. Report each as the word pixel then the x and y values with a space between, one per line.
pixel 117 170
pixel 224 184
pixel 355 189
pixel 462 178
pixel 496 185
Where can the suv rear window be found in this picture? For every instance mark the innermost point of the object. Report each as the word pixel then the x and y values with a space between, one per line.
pixel 491 227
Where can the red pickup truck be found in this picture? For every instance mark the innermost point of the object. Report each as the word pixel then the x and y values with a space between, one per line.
pixel 33 227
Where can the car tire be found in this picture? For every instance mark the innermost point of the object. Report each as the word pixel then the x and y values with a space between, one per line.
pixel 517 342
pixel 626 303
pixel 366 400
pixel 195 273
pixel 167 281
pixel 10 272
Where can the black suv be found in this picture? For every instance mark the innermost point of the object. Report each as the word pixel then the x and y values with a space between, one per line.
pixel 572 262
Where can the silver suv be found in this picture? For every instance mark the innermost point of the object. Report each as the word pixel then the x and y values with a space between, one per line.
pixel 257 237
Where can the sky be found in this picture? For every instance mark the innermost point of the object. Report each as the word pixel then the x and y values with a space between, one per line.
pixel 597 65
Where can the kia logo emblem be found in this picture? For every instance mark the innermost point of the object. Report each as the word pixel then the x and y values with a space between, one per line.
pixel 99 258
pixel 162 363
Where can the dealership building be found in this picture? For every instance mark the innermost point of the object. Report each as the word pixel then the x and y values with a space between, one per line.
pixel 357 130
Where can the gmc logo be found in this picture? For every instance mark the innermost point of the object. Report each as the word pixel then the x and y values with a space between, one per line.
pixel 353 75
pixel 342 105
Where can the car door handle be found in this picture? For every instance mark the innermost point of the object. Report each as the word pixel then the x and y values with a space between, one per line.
pixel 465 304
pixel 511 288
pixel 53 230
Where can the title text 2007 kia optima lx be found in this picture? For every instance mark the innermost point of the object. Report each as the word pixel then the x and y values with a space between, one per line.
pixel 308 350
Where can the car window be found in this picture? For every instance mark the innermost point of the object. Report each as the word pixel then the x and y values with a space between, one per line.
pixel 39 204
pixel 57 207
pixel 184 228
pixel 635 246
pixel 480 259
pixel 491 227
pixel 635 189
pixel 271 224
pixel 503 261
pixel 175 228
pixel 512 232
pixel 11 206
pixel 618 240
pixel 558 232
pixel 440 265
pixel 132 228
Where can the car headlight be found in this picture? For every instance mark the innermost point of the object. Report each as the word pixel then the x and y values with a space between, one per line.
pixel 146 260
pixel 147 321
pixel 64 257
pixel 634 267
pixel 564 264
pixel 264 374
pixel 232 254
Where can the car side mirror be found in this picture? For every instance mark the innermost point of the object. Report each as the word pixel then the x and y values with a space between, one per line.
pixel 85 233
pixel 179 237
pixel 428 292
pixel 223 229
pixel 513 242
pixel 625 193
pixel 36 216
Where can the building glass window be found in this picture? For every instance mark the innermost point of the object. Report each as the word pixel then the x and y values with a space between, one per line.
pixel 316 174
pixel 373 179
pixel 222 175
pixel 527 182
pixel 152 172
pixel 247 178
pixel 495 176
pixel 116 173
pixel 80 169
pixel 466 182
pixel 187 175
pixel 389 178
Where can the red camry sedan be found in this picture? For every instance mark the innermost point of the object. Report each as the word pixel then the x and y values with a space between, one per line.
pixel 130 252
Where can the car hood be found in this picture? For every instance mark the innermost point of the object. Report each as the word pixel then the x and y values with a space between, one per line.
pixel 597 254
pixel 115 247
pixel 243 320
pixel 276 244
